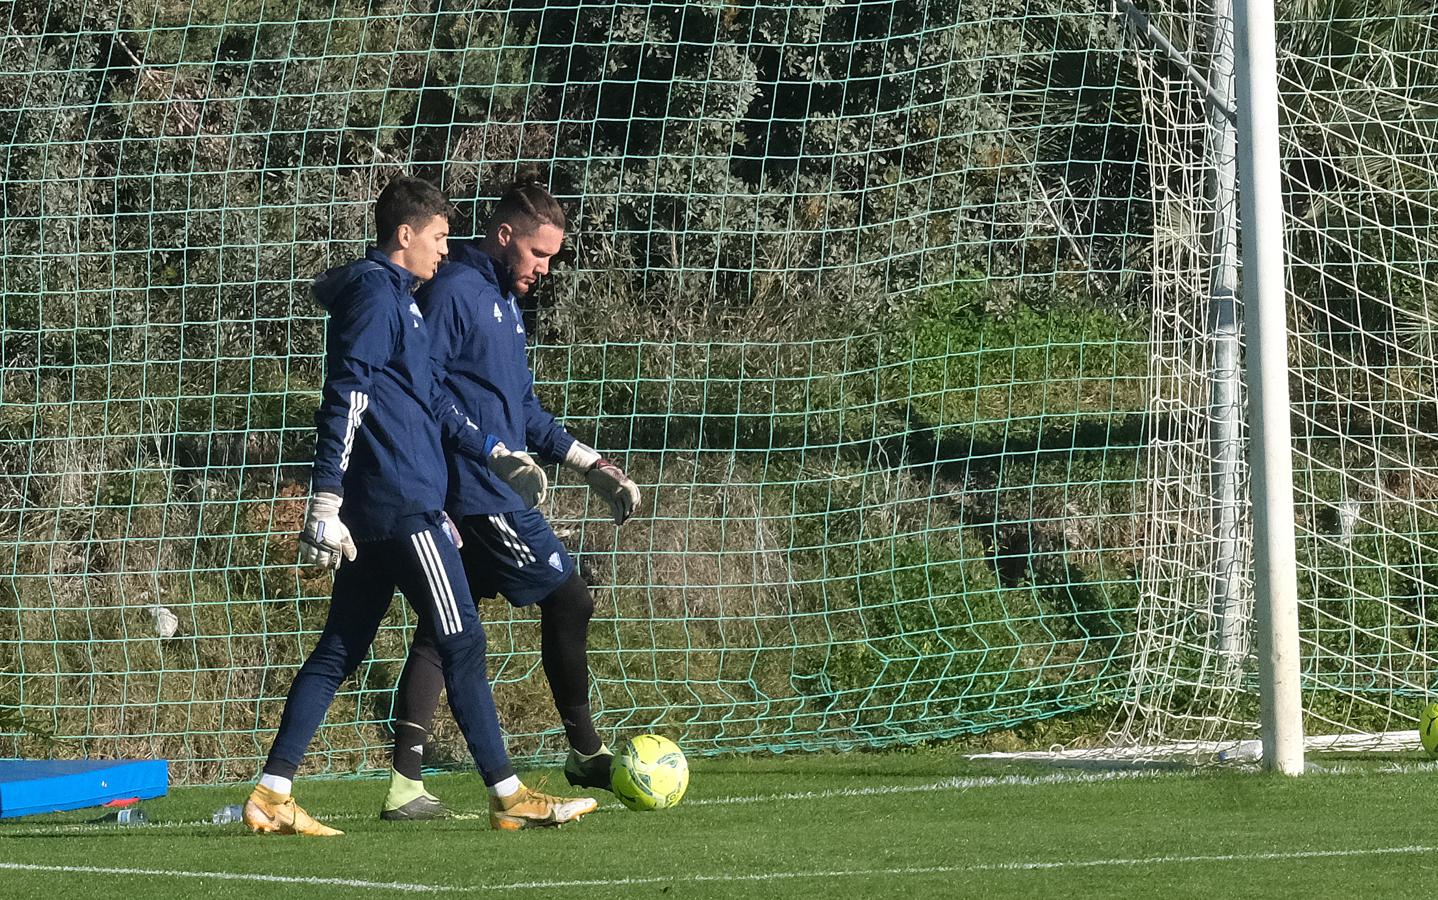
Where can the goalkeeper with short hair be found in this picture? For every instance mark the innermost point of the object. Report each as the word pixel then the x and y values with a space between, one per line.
pixel 376 512
pixel 480 355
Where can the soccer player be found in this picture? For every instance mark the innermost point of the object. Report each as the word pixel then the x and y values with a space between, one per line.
pixel 479 353
pixel 377 507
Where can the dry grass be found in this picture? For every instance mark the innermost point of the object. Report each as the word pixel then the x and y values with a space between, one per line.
pixel 796 576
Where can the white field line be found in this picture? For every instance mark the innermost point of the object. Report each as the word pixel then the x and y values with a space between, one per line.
pixel 892 872
pixel 399 886
pixel 1277 856
pixel 945 784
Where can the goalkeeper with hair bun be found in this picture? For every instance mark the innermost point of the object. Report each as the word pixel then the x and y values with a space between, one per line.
pixel 480 358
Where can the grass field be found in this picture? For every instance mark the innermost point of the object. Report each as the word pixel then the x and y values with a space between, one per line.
pixel 918 824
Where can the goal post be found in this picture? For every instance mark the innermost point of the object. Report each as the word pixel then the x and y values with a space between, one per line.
pixel 1275 581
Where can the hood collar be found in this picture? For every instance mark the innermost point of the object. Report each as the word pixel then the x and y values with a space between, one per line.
pixel 334 283
pixel 467 253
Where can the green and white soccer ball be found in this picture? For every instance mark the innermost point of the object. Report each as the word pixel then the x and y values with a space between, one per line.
pixel 649 772
pixel 1428 728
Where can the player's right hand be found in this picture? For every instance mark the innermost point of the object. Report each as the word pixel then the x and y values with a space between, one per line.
pixel 325 540
pixel 609 481
pixel 523 475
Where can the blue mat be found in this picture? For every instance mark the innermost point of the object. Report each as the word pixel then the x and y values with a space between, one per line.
pixel 29 786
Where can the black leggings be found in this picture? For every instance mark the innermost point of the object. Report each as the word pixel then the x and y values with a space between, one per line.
pixel 564 639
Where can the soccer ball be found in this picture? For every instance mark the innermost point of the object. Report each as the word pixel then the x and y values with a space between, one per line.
pixel 1428 728
pixel 649 772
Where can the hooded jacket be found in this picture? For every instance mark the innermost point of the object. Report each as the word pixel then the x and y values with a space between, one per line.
pixel 480 358
pixel 381 415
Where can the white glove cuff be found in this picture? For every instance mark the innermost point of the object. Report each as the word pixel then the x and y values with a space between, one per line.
pixel 325 502
pixel 581 457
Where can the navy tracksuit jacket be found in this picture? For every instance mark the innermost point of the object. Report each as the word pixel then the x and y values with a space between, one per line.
pixel 379 446
pixel 480 359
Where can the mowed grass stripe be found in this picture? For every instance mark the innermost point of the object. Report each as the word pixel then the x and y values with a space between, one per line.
pixel 946 784
pixel 810 828
pixel 727 878
pixel 899 871
pixel 397 886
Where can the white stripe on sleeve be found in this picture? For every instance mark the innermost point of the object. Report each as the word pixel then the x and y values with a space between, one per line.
pixel 358 404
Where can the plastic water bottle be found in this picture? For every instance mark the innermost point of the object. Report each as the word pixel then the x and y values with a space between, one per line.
pixel 227 815
pixel 131 816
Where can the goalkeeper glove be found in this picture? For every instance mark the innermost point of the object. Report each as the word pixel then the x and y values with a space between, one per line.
pixel 324 538
pixel 523 475
pixel 605 479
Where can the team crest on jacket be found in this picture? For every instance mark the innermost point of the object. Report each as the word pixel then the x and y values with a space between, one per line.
pixel 498 316
pixel 414 311
pixel 555 563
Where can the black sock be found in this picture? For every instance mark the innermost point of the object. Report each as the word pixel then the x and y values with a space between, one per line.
pixel 579 728
pixel 564 640
pixel 415 700
pixel 409 740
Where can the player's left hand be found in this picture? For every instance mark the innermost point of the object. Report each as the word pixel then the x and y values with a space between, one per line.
pixel 523 475
pixel 609 481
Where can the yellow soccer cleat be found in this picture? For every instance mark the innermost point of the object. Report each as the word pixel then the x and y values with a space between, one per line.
pixel 267 812
pixel 531 809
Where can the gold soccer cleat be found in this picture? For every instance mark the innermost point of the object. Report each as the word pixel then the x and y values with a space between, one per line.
pixel 267 812
pixel 530 809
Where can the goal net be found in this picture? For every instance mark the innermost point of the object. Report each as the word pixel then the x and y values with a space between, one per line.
pixel 914 321
pixel 1357 136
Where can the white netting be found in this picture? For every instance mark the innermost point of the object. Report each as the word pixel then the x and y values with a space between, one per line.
pixel 1358 91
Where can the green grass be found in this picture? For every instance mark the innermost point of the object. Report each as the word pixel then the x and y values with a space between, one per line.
pixel 919 824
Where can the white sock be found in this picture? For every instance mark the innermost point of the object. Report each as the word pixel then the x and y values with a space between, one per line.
pixel 281 786
pixel 506 788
